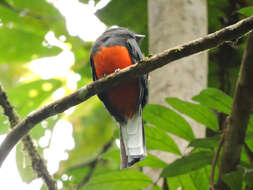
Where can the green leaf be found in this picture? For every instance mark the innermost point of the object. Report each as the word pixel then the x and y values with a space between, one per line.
pixel 123 13
pixel 188 164
pixel 39 130
pixel 158 139
pixel 123 180
pixel 250 125
pixel 87 1
pixel 4 124
pixel 156 187
pixel 87 127
pixel 195 180
pixel 249 177
pixel 200 179
pixel 113 155
pixel 215 12
pixel 246 11
pixel 208 142
pixel 22 46
pixel 234 179
pixel 43 187
pixel 214 99
pixel 168 120
pixel 24 165
pixel 197 112
pixel 153 162
pixel 30 96
pixel 77 175
pixel 37 16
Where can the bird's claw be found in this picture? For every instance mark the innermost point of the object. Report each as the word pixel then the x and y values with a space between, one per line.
pixel 117 70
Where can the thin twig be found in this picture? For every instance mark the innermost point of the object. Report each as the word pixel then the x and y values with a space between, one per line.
pixel 146 65
pixel 89 175
pixel 38 163
pixel 214 161
pixel 94 163
pixel 165 184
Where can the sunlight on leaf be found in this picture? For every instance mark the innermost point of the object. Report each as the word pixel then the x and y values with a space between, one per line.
pixel 125 179
pixel 164 118
pixel 197 112
pixel 188 163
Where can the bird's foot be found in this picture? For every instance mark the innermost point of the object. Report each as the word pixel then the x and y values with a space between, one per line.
pixel 117 70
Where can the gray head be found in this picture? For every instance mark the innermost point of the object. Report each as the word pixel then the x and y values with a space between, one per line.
pixel 122 32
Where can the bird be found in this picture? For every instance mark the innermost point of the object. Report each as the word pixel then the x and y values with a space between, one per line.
pixel 116 49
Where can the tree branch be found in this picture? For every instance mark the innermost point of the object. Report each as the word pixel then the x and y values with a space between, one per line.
pixel 144 66
pixel 38 163
pixel 237 121
pixel 214 161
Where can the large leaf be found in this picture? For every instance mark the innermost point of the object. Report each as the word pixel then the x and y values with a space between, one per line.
pixel 20 46
pixel 200 179
pixel 249 177
pixel 156 187
pixel 214 99
pixel 123 180
pixel 158 139
pixel 153 162
pixel 36 16
pixel 246 11
pixel 208 142
pixel 113 156
pixel 234 179
pixel 25 24
pixel 124 13
pixel 24 165
pixel 168 120
pixel 197 112
pixel 195 180
pixel 188 164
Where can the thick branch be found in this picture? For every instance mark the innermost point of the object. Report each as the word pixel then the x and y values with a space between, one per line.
pixel 38 163
pixel 237 121
pixel 146 65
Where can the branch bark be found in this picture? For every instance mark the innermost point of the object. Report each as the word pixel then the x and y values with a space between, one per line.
pixel 237 121
pixel 144 66
pixel 38 164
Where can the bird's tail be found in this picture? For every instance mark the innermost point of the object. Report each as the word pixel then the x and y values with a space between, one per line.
pixel 133 141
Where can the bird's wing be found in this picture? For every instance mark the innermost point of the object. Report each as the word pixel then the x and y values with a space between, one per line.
pixel 136 56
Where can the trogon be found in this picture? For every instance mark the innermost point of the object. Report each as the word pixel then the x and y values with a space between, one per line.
pixel 116 49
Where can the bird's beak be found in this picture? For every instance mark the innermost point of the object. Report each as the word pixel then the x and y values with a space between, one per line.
pixel 139 37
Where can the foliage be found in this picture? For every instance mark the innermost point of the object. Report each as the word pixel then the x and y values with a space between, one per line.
pixel 23 26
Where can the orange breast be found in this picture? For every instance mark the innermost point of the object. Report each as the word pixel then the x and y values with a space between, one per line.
pixel 124 97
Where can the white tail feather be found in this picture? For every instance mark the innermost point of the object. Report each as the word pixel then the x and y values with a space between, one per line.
pixel 133 137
